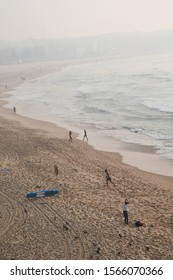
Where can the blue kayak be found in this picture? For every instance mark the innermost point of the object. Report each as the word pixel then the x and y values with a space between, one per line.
pixel 42 193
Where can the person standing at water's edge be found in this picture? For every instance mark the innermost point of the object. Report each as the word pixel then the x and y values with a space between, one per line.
pixel 85 135
pixel 70 136
pixel 14 109
pixel 125 212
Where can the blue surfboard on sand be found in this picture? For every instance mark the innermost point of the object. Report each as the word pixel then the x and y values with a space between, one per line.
pixel 42 193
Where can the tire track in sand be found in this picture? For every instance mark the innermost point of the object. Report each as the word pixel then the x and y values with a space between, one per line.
pixel 66 246
pixel 80 253
pixel 12 216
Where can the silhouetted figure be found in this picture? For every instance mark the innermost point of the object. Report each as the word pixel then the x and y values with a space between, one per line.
pixel 85 135
pixel 125 211
pixel 108 178
pixel 14 109
pixel 70 136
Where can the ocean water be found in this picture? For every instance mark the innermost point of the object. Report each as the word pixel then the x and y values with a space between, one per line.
pixel 124 98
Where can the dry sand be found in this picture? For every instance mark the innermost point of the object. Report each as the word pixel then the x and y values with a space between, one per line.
pixel 85 220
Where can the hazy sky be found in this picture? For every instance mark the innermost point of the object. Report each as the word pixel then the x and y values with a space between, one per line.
pixel 23 19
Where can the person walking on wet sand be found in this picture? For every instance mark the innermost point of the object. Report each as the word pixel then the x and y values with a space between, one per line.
pixel 125 211
pixel 85 135
pixel 14 109
pixel 70 136
pixel 108 178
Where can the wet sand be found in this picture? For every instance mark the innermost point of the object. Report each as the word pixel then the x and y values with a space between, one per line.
pixel 84 221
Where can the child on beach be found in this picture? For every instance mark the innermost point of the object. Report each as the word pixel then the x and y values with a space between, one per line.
pixel 108 178
pixel 56 170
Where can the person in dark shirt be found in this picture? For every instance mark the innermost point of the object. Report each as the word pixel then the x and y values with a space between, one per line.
pixel 70 136
pixel 108 178
pixel 85 135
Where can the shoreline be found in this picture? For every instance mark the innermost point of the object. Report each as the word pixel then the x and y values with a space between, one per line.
pixel 50 129
pixel 142 157
pixel 139 156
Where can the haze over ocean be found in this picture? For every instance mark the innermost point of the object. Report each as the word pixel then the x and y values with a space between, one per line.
pixel 127 98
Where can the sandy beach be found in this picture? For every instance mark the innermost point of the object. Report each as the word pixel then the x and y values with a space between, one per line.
pixel 84 221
